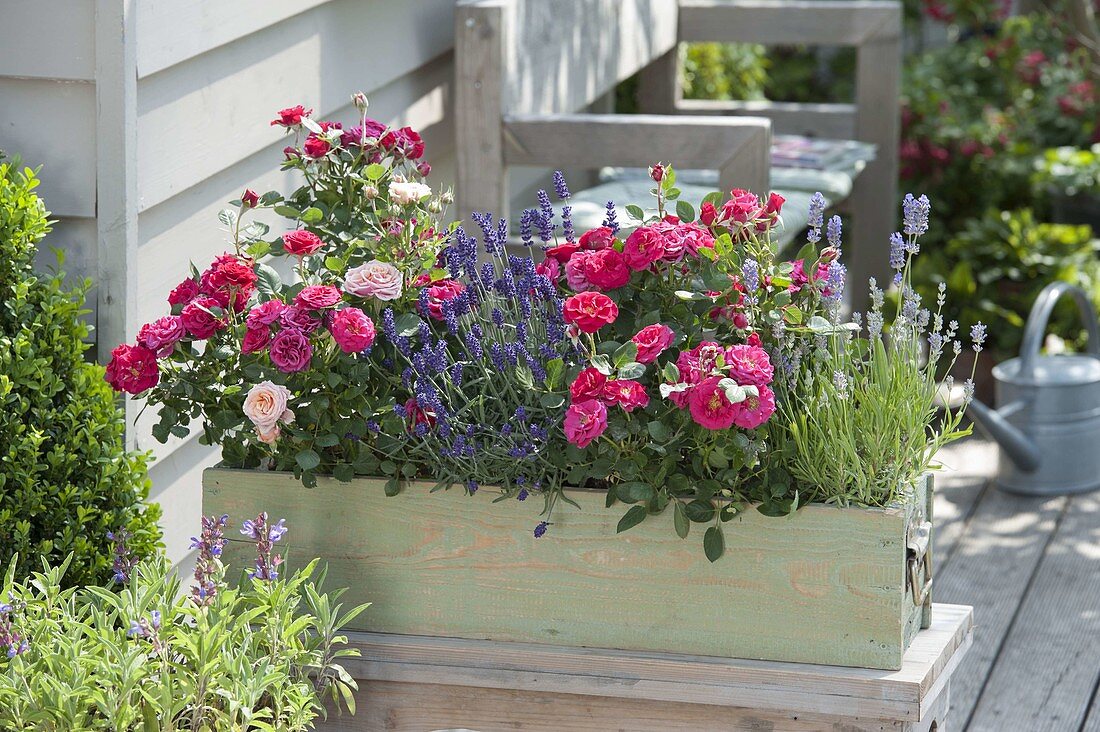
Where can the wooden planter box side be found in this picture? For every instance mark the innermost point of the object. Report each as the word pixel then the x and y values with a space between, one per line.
pixel 826 585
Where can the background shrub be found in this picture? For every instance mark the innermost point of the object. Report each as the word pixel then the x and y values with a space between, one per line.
pixel 65 477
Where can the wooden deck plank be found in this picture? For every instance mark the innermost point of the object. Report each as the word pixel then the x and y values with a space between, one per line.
pixel 991 568
pixel 959 486
pixel 1044 678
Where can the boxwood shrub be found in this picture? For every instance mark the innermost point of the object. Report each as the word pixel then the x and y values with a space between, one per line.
pixel 66 478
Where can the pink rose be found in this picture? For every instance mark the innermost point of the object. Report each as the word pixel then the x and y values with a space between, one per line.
pixel 270 435
pixel 266 405
pixel 695 237
pixel 627 393
pixel 184 293
pixel 162 335
pixel 301 319
pixel 291 351
pixel 643 247
pixel 652 341
pixel 606 269
pixel 749 365
pixel 132 369
pixel 755 410
pixel 301 242
pixel 576 272
pixel 198 317
pixel 352 330
pixel 550 269
pixel 584 422
pixel 265 313
pixel 594 239
pixel 589 384
pixel 590 311
pixel 317 297
pixel 440 292
pixel 672 238
pixel 256 339
pixel 380 280
pixel 742 207
pixel 417 415
pixel 709 406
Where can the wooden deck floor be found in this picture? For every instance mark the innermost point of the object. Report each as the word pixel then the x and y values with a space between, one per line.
pixel 1031 569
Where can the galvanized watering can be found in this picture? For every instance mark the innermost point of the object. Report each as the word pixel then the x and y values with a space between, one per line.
pixel 1047 420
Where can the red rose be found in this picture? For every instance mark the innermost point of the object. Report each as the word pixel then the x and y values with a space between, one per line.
pixel 562 252
pixel 132 369
pixel 590 311
pixel 627 393
pixel 255 339
pixel 589 384
pixel 301 242
pixel 317 297
pixel 417 415
pixel 229 277
pixel 606 269
pixel 742 207
pixel 405 142
pixel 291 351
pixel 161 335
pixel 696 238
pixel 657 172
pixel 250 199
pixel 550 269
pixel 198 317
pixel 316 147
pixel 438 293
pixel 599 238
pixel 291 116
pixel 672 236
pixel 184 293
pixel 643 247
pixel 708 213
pixel 652 341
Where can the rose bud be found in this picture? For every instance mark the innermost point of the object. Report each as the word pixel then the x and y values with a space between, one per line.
pixel 370 192
pixel 424 169
pixel 829 254
pixel 657 172
pixel 249 199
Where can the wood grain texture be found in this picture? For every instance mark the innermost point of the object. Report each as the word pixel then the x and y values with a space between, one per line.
pixel 825 585
pixel 775 22
pixel 907 694
pixel 836 121
pixel 481 35
pixel 991 568
pixel 1051 658
pixel 737 147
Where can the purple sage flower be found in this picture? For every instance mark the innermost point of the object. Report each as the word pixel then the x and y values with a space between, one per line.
pixel 124 559
pixel 265 535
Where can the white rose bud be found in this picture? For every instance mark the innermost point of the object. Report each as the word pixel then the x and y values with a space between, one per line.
pixel 370 191
pixel 406 193
pixel 434 206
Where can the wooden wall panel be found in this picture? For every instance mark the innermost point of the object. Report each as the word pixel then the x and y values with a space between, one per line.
pixel 52 124
pixel 48 39
pixel 196 119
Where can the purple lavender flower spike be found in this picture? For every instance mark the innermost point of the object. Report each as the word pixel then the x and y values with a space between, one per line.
pixel 546 217
pixel 833 232
pixel 540 530
pixel 897 255
pixel 817 211
pixel 915 212
pixel 559 185
pixel 611 220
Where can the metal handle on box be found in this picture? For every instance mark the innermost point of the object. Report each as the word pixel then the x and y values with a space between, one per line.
pixel 917 555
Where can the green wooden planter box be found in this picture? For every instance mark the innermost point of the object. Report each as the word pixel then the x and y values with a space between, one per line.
pixel 826 585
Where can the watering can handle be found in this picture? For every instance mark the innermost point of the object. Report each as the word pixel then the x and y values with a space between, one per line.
pixel 1040 315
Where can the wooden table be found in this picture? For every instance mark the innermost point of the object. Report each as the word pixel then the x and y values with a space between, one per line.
pixel 414 683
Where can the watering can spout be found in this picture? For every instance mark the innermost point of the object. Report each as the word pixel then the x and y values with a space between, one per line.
pixel 1019 448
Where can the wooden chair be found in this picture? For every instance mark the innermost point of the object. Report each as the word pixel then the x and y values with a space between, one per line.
pixel 526 72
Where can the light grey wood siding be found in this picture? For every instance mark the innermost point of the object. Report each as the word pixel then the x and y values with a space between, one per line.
pixel 153 114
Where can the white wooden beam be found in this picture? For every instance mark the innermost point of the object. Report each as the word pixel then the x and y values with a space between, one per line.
pixel 738 147
pixel 773 22
pixel 116 174
pixel 836 121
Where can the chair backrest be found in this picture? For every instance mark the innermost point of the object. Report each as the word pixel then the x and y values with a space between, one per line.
pixel 516 57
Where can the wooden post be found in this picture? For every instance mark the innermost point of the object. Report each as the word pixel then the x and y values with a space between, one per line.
pixel 659 90
pixel 116 180
pixel 480 68
pixel 874 200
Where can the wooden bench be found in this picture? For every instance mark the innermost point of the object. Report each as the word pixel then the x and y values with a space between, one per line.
pixel 412 683
pixel 526 72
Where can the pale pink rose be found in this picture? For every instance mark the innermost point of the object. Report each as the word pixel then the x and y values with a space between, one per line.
pixel 374 279
pixel 268 436
pixel 406 193
pixel 266 405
